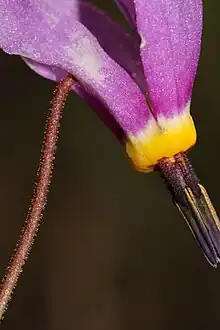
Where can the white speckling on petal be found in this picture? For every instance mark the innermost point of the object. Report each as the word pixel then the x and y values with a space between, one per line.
pixel 64 9
pixel 143 41
pixel 51 19
pixel 87 59
pixel 53 12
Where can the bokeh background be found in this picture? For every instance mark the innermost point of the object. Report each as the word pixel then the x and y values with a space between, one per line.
pixel 113 253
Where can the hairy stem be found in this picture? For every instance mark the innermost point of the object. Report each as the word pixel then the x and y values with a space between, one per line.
pixel 40 193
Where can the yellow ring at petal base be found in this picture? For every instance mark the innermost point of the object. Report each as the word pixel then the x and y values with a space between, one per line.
pixel 161 138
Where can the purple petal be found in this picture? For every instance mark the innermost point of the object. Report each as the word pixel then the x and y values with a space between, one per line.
pixel 57 74
pixel 126 54
pixel 171 36
pixel 114 40
pixel 48 32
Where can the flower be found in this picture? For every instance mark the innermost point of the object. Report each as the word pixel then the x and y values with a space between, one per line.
pixel 140 85
pixel 155 70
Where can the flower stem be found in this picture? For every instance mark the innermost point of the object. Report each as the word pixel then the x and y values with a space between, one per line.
pixel 40 194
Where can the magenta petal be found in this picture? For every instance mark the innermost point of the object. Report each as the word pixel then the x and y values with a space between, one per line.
pixel 114 40
pixel 56 74
pixel 47 71
pixel 171 36
pixel 50 33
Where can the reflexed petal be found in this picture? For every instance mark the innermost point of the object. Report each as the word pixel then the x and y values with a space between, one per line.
pixel 126 53
pixel 114 40
pixel 47 32
pixel 171 35
pixel 56 74
pixel 170 32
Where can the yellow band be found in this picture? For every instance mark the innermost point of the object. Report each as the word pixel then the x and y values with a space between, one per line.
pixel 161 138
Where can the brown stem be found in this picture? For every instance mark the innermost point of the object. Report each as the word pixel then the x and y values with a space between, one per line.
pixel 40 193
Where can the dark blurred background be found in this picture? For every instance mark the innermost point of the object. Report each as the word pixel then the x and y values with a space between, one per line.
pixel 113 252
